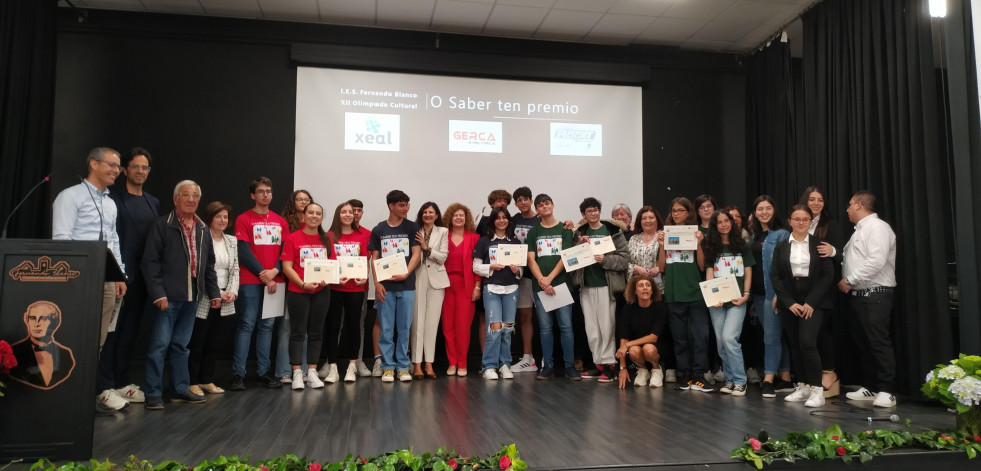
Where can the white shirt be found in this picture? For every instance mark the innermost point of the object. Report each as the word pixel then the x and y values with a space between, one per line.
pixel 82 212
pixel 870 255
pixel 221 262
pixel 800 256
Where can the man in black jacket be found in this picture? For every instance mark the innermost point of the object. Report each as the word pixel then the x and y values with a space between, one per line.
pixel 179 262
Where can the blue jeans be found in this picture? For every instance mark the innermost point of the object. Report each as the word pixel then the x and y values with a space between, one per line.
pixel 689 323
pixel 171 333
pixel 563 316
pixel 250 308
pixel 776 353
pixel 395 317
pixel 497 346
pixel 728 326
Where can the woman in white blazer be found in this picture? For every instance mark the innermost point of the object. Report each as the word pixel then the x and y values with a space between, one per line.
pixel 431 281
pixel 205 339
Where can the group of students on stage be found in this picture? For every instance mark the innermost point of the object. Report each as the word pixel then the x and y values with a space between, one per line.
pixel 640 301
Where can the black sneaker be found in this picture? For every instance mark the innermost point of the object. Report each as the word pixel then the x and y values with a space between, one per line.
pixel 545 373
pixel 683 385
pixel 154 403
pixel 573 374
pixel 237 384
pixel 593 373
pixel 700 386
pixel 784 386
pixel 768 390
pixel 188 397
pixel 270 381
pixel 609 374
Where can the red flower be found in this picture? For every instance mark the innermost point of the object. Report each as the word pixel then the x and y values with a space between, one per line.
pixel 505 462
pixel 364 461
pixel 7 358
pixel 835 438
pixel 755 444
pixel 314 467
pixel 977 439
pixel 841 451
pixel 452 463
pixel 263 468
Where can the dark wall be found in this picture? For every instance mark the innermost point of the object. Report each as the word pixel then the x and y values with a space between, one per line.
pixel 213 100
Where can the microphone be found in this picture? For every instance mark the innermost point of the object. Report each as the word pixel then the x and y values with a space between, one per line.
pixel 44 180
pixel 102 224
pixel 892 418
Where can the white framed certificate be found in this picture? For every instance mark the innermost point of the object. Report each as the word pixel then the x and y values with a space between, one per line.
pixel 720 290
pixel 512 254
pixel 680 238
pixel 321 269
pixel 352 267
pixel 579 256
pixel 602 245
pixel 387 267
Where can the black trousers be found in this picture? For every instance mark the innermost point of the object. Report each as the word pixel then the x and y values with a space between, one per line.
pixel 205 345
pixel 802 335
pixel 307 314
pixel 344 313
pixel 871 316
pixel 117 352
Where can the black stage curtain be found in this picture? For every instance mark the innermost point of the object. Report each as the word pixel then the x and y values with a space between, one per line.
pixel 965 156
pixel 771 140
pixel 871 116
pixel 28 34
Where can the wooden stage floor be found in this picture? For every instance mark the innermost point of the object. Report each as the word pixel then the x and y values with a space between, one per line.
pixel 556 424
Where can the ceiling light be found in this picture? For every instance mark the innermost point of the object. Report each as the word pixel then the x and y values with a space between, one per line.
pixel 938 8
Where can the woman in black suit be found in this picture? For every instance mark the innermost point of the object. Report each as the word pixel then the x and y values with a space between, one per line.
pixel 827 231
pixel 802 281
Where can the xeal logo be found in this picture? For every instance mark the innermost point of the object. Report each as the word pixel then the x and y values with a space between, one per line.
pixel 363 131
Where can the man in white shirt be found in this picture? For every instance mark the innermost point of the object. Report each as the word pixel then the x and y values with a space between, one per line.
pixel 869 277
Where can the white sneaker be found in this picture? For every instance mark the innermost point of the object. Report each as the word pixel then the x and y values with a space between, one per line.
pixel 816 398
pixel 286 379
pixel 404 376
pixel 376 370
pixel 352 373
pixel 297 382
pixel 363 370
pixel 489 373
pixel 314 379
pixel 801 393
pixel 524 365
pixel 388 376
pixel 670 376
pixel 643 378
pixel 753 376
pixel 461 371
pixel 505 372
pixel 131 393
pixel 861 395
pixel 884 399
pixel 110 399
pixel 332 375
pixel 657 378
pixel 720 376
pixel 739 390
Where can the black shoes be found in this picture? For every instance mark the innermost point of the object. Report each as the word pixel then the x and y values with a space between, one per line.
pixel 188 397
pixel 270 381
pixel 237 384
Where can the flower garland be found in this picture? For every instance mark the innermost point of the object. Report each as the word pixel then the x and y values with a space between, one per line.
pixel 403 460
pixel 7 361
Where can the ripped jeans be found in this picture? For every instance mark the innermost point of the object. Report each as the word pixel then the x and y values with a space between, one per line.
pixel 499 309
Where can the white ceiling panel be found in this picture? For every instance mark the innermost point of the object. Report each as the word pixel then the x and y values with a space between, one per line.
pixel 405 13
pixel 514 21
pixel 600 6
pixel 641 7
pixel 622 25
pixel 462 17
pixel 698 9
pixel 730 25
pixel 290 10
pixel 356 12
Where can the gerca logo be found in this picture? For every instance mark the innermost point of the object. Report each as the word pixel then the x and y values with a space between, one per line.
pixel 365 131
pixel 475 136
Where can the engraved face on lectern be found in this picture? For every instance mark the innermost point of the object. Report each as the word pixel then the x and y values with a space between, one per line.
pixel 42 362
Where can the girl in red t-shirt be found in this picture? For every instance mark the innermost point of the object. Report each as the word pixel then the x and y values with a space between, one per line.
pixel 307 302
pixel 345 298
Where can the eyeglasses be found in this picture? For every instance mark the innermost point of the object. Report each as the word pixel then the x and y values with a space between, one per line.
pixel 707 206
pixel 110 164
pixel 302 200
pixel 800 220
pixel 263 192
pixel 592 211
pixel 145 168
pixel 193 196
